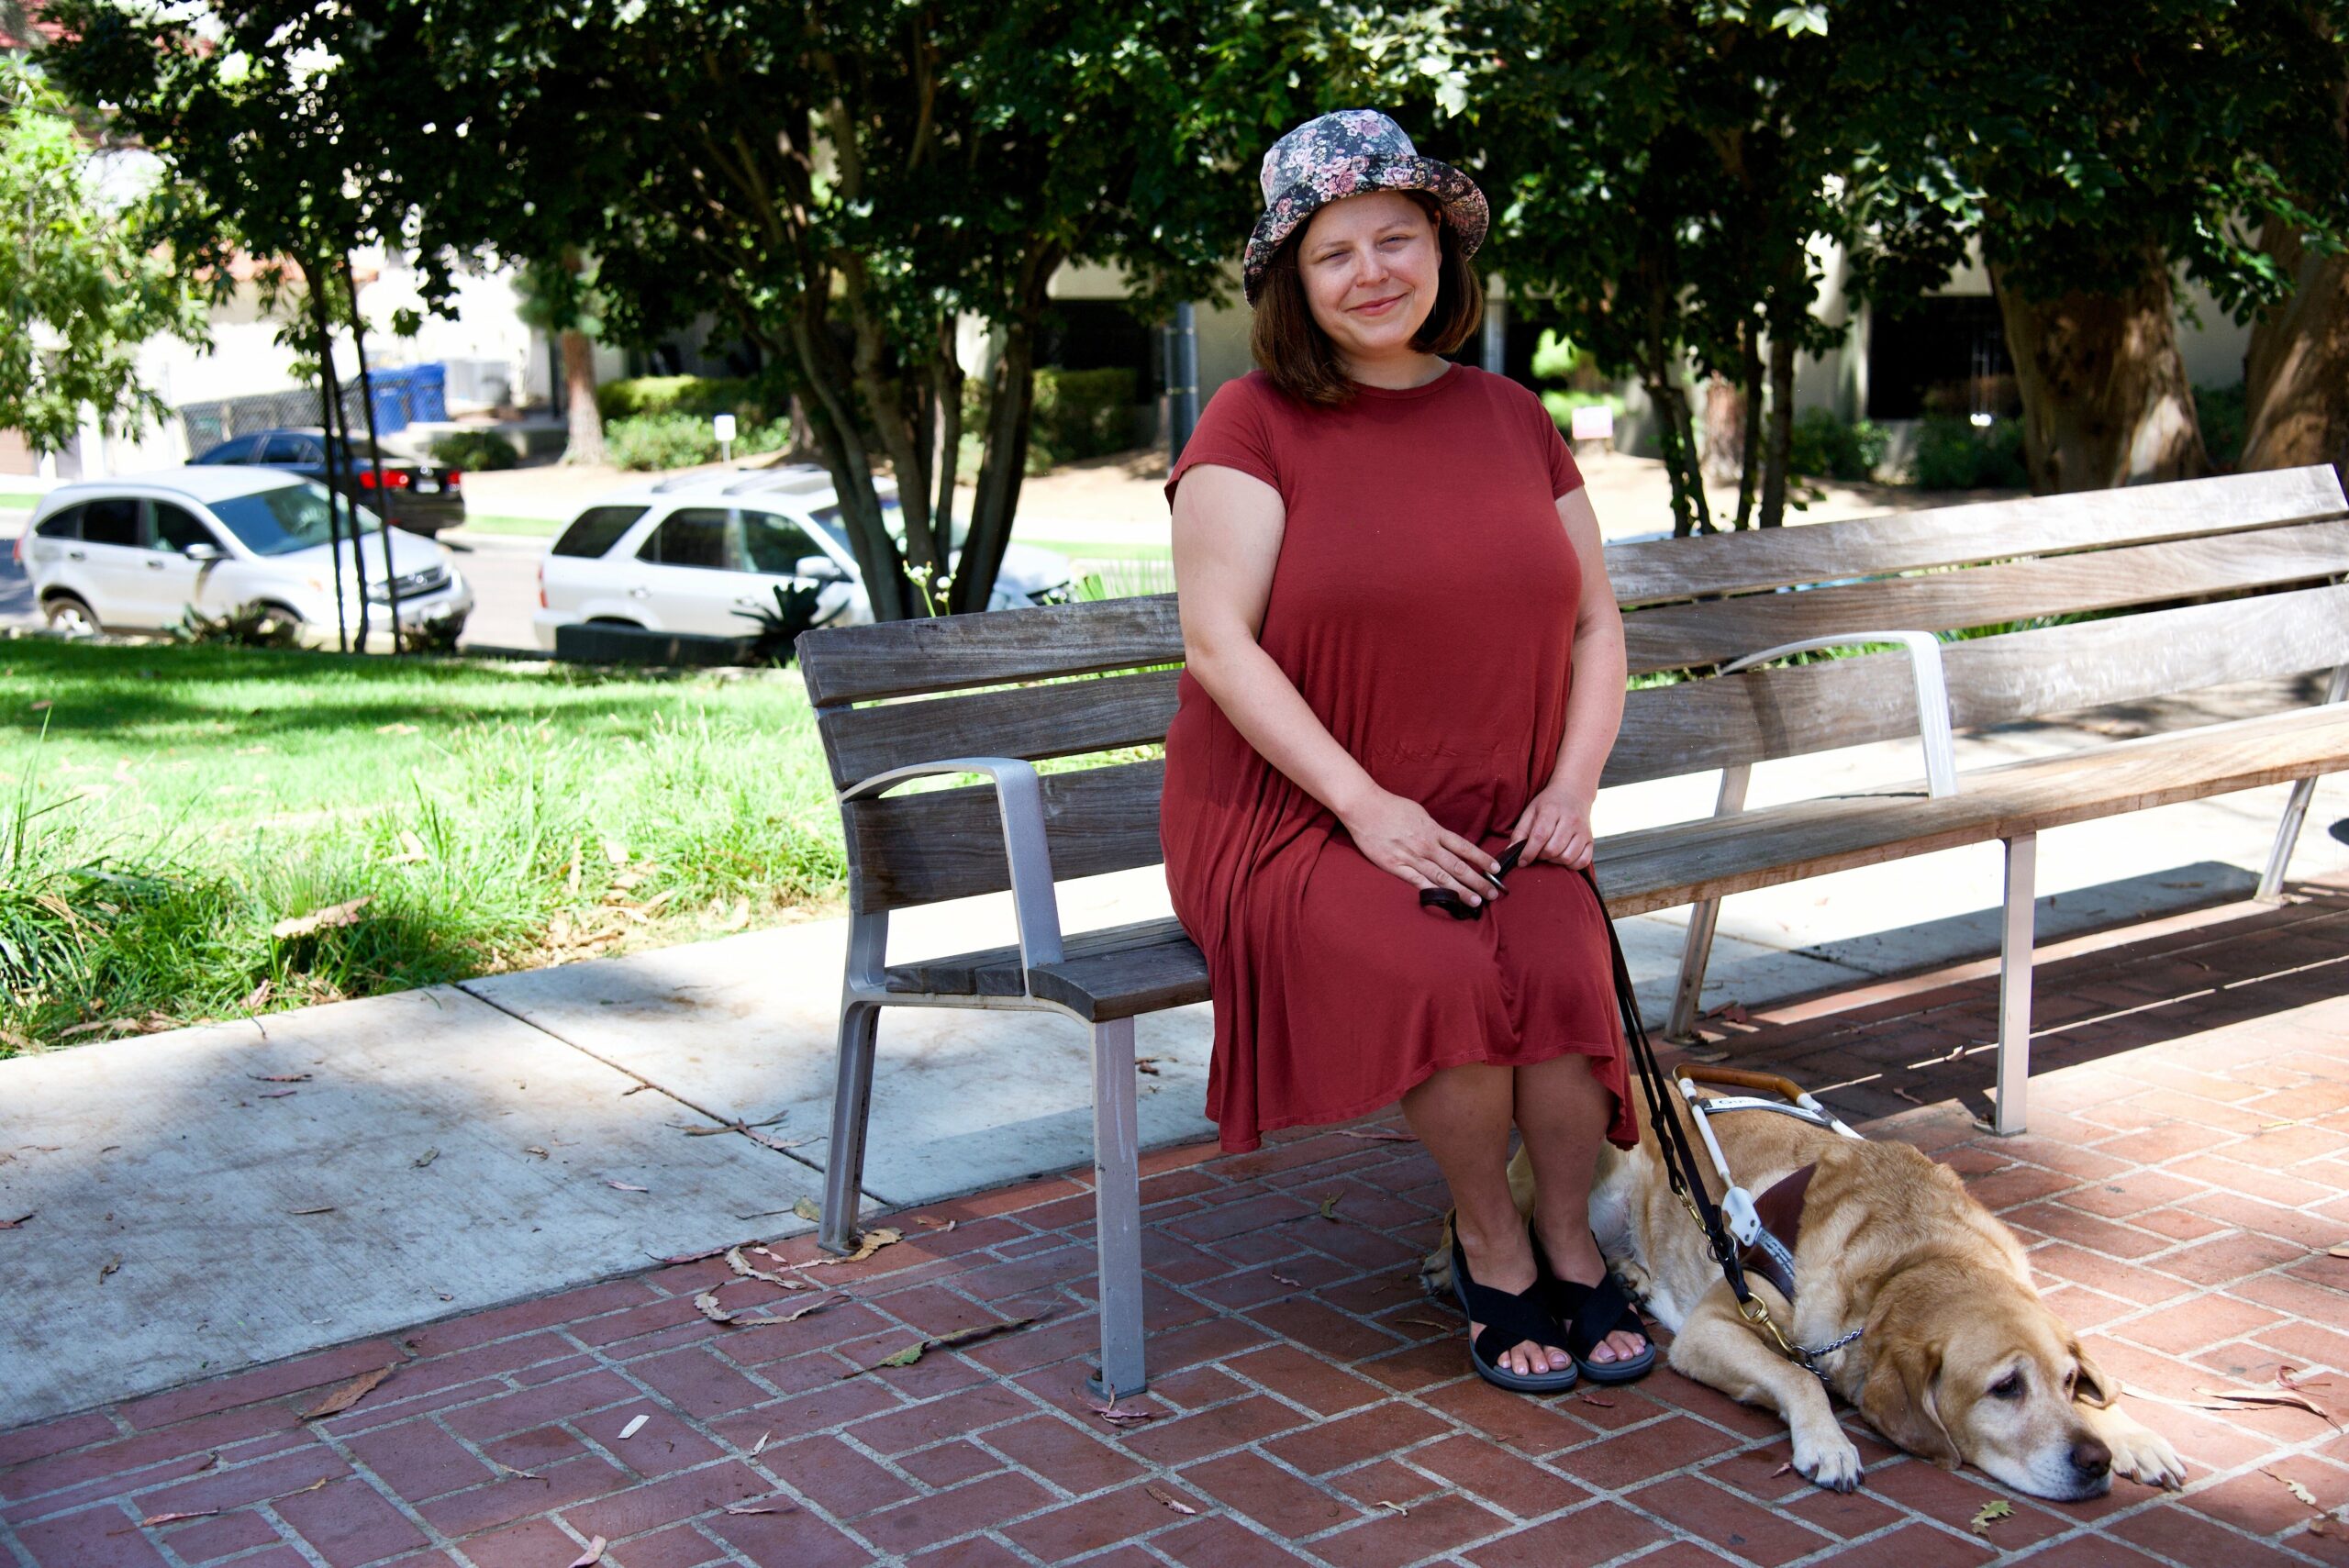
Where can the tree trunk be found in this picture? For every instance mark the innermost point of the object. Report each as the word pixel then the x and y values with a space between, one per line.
pixel 1749 468
pixel 1781 455
pixel 1724 430
pixel 2105 400
pixel 1001 470
pixel 585 444
pixel 2296 374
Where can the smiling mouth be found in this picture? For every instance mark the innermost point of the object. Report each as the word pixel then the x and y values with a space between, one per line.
pixel 1376 307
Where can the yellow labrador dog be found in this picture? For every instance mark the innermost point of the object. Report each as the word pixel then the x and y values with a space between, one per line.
pixel 1957 1360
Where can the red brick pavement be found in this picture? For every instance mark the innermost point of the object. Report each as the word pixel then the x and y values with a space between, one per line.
pixel 2180 1187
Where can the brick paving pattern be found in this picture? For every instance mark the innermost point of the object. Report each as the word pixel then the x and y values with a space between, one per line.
pixel 2180 1188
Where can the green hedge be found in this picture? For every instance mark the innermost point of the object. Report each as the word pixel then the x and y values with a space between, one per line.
pixel 1954 455
pixel 697 394
pixel 474 451
pixel 1824 447
pixel 1082 414
pixel 681 441
pixel 2225 418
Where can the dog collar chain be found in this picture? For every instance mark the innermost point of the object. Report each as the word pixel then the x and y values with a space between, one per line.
pixel 1810 1358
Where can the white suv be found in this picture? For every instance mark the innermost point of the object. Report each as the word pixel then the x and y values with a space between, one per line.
pixel 142 550
pixel 703 554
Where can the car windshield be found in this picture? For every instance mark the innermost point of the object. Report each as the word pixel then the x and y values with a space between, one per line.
pixel 828 519
pixel 284 518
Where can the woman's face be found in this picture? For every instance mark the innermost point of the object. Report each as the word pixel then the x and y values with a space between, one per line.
pixel 1370 265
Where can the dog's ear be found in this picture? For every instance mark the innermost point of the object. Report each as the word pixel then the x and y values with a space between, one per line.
pixel 1898 1399
pixel 2092 1387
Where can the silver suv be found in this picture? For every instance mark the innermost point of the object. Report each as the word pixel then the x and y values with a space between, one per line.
pixel 704 553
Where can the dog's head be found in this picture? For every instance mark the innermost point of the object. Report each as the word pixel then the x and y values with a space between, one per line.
pixel 1967 1368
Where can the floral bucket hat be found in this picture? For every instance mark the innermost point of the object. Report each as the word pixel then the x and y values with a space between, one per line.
pixel 1344 154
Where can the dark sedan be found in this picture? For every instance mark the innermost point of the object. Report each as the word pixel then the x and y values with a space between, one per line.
pixel 422 497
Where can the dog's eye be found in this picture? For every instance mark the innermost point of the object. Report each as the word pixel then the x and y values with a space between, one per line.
pixel 2008 1387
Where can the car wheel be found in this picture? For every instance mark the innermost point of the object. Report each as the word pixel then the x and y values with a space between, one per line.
pixel 69 616
pixel 615 620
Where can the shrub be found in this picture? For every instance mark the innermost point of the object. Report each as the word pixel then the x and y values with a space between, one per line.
pixel 1561 406
pixel 1953 453
pixel 250 624
pixel 695 395
pixel 2225 418
pixel 1082 414
pixel 681 441
pixel 1825 447
pixel 476 452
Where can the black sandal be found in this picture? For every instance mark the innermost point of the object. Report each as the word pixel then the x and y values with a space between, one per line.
pixel 1508 1320
pixel 1589 1313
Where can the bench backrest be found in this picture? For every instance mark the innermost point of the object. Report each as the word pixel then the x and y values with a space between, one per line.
pixel 2192 584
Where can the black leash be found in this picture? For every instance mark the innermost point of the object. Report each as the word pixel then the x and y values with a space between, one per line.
pixel 1680 1161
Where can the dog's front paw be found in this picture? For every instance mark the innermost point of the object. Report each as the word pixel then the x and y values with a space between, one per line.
pixel 1828 1458
pixel 2142 1454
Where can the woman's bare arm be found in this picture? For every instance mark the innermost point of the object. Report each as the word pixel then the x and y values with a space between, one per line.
pixel 1556 822
pixel 1228 528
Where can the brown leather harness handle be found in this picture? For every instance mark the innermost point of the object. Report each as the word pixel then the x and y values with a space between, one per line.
pixel 1738 1078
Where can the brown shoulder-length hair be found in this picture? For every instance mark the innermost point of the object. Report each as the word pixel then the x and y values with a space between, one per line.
pixel 1291 348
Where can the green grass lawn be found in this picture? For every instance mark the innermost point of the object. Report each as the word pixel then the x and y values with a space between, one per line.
pixel 162 808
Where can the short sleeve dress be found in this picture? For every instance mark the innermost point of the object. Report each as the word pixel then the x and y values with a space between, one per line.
pixel 1424 605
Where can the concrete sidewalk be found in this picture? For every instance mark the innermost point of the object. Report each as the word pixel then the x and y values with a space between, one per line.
pixel 214 1198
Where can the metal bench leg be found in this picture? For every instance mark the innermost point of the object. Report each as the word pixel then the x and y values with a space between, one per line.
pixel 1117 1207
pixel 2014 984
pixel 852 1104
pixel 2296 811
pixel 1702 916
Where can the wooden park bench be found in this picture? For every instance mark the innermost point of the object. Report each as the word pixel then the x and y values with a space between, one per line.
pixel 2183 587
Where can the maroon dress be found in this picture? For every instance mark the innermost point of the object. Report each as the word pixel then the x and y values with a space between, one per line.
pixel 1424 605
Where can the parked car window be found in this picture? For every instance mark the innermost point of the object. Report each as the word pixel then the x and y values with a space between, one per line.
pixel 238 451
pixel 66 524
pixel 694 537
pixel 596 530
pixel 287 448
pixel 776 545
pixel 113 520
pixel 284 518
pixel 176 527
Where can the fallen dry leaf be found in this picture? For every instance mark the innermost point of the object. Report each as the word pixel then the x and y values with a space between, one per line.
pixel 351 1393
pixel 2279 1399
pixel 153 1519
pixel 689 1257
pixel 940 1226
pixel 275 1093
pixel 1329 1207
pixel 258 997
pixel 111 1266
pixel 1395 1506
pixel 1991 1512
pixel 1171 1500
pixel 971 1335
pixel 523 1474
pixel 867 1243
pixel 2340 1251
pixel 320 919
pixel 1594 1399
pixel 2294 1487
pixel 1146 1064
pixel 635 1425
pixel 760 1446
pixel 94 1027
pixel 534 1149
pixel 808 1208
pixel 1377 1135
pixel 625 1186
pixel 708 1304
pixel 322 1209
pixel 317 1485
pixel 592 1555
pixel 210 1460
pixel 11 1224
pixel 761 1509
pixel 426 1158
pixel 1785 1469
pixel 1906 1094
pixel 1428 1323
pixel 1112 1414
pixel 1283 1279
pixel 280 1077
pixel 744 1267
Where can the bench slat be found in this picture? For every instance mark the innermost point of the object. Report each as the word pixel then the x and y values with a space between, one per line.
pixel 995 972
pixel 1033 722
pixel 1766 713
pixel 947 843
pixel 1658 868
pixel 1676 636
pixel 895 659
pixel 2044 525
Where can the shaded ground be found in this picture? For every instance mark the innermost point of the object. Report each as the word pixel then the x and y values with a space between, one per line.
pixel 2179 1189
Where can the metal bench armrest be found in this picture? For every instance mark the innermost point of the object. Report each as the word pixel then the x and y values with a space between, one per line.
pixel 1925 651
pixel 1021 800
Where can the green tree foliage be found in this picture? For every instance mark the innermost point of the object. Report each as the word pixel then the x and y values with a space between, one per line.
pixel 79 289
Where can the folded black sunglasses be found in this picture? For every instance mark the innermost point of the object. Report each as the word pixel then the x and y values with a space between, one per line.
pixel 1458 908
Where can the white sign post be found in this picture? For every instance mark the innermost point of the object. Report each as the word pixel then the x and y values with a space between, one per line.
pixel 723 424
